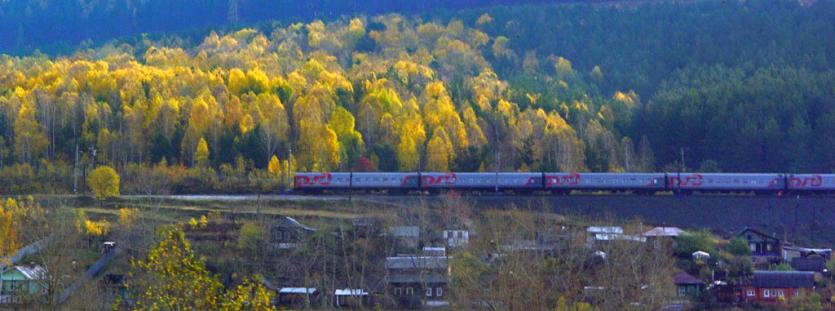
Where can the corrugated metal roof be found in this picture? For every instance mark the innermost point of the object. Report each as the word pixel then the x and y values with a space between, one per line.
pixel 417 262
pixel 350 292
pixel 609 230
pixel 433 278
pixel 297 290
pixel 405 231
pixel 664 231
pixel 292 222
pixel 683 278
pixel 32 273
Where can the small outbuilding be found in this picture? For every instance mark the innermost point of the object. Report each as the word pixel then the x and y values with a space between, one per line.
pixel 688 285
pixel 297 296
pixel 351 298
pixel 701 255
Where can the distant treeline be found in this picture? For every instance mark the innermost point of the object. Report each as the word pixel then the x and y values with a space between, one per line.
pixel 58 26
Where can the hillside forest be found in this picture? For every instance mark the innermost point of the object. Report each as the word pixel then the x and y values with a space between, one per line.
pixel 736 86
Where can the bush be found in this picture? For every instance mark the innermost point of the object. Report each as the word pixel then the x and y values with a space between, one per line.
pixel 738 247
pixel 688 243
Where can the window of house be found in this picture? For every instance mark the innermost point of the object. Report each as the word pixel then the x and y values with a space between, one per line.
pixel 753 247
pixel 398 291
pixel 780 293
pixel 439 292
pixel 766 293
pixel 768 247
pixel 409 291
pixel 428 292
pixel 750 293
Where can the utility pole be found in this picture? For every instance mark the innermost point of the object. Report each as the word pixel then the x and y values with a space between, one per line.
pixel 75 172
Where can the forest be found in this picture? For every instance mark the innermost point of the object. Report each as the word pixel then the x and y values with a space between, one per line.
pixel 732 86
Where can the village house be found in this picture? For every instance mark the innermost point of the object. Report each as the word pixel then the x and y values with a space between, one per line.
pixel 287 233
pixel 414 281
pixel 791 251
pixel 764 248
pixel 661 237
pixel 351 298
pixel 21 284
pixel 772 286
pixel 296 296
pixel 546 242
pixel 688 286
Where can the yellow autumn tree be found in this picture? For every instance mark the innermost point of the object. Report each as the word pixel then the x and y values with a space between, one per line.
pixel 104 182
pixel 29 137
pixel 407 153
pixel 350 140
pixel 171 277
pixel 439 151
pixel 201 154
pixel 127 217
pixel 96 228
pixel 8 229
pixel 250 295
pixel 274 167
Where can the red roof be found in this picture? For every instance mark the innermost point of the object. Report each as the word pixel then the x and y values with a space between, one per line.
pixel 683 278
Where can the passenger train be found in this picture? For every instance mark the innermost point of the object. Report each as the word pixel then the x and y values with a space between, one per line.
pixel 562 183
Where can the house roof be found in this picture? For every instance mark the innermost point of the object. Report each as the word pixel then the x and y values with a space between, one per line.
pixel 405 231
pixel 783 279
pixel 350 292
pixel 815 264
pixel 292 222
pixel 433 278
pixel 618 237
pixel 757 232
pixel 434 251
pixel 684 278
pixel 700 254
pixel 297 290
pixel 664 231
pixel 364 221
pixel 609 230
pixel 31 273
pixel 417 262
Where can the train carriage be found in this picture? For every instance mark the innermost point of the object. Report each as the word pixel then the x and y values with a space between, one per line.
pixel 522 182
pixel 317 182
pixel 726 182
pixel 564 182
pixel 820 183
pixel 385 181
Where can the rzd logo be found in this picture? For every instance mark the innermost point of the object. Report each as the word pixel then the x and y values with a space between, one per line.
pixel 692 180
pixel 561 180
pixel 322 179
pixel 809 181
pixel 446 179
